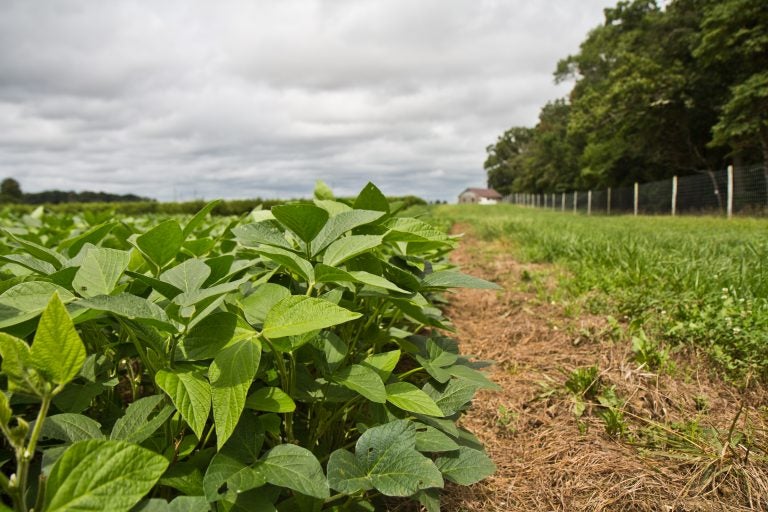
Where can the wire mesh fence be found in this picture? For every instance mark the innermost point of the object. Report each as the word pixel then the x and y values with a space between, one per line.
pixel 742 191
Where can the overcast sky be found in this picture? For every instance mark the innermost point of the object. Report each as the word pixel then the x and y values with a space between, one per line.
pixel 235 99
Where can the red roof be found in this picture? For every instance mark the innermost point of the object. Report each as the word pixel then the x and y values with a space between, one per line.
pixel 484 192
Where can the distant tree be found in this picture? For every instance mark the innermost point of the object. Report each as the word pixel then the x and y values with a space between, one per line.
pixel 505 161
pixel 10 191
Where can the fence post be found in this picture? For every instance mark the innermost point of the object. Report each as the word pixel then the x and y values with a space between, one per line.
pixel 730 191
pixel 575 200
pixel 674 195
pixel 589 202
pixel 608 208
pixel 563 200
pixel 554 207
pixel 637 196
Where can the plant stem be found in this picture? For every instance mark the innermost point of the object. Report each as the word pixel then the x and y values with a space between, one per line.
pixel 24 454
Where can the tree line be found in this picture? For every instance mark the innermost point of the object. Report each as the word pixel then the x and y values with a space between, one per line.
pixel 659 91
pixel 11 193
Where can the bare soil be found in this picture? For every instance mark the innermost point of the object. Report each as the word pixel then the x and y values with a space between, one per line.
pixel 550 460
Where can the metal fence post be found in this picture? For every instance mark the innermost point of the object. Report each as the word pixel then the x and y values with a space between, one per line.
pixel 674 195
pixel 563 200
pixel 589 202
pixel 730 191
pixel 575 200
pixel 637 196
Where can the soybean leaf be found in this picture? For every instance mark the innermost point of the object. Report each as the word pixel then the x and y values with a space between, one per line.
pixel 209 336
pixel 162 243
pixel 92 236
pixel 40 252
pixel 190 393
pixel 266 232
pixel 304 219
pixel 270 399
pixel 5 409
pixel 257 304
pixel 294 467
pixel 382 363
pixel 187 276
pixel 26 300
pixel 100 271
pixel 30 262
pixel 409 398
pixel 199 218
pixel 226 468
pixel 362 380
pixel 465 466
pixel 371 198
pixel 346 474
pixel 102 475
pixel 340 224
pixel 453 279
pixel 476 377
pixel 322 191
pixel 453 396
pixel 364 277
pixel 333 347
pixel 71 428
pixel 288 260
pixel 132 307
pixel 231 374
pixel 413 230
pixel 166 290
pixel 299 314
pixel 326 274
pixel 348 247
pixel 429 439
pixel 141 419
pixel 17 367
pixel 57 350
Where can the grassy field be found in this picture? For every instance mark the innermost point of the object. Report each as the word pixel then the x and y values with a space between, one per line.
pixel 684 280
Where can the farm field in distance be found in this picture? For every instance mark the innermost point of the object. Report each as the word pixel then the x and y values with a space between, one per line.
pixel 632 356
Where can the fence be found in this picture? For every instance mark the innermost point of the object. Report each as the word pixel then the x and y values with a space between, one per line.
pixel 742 190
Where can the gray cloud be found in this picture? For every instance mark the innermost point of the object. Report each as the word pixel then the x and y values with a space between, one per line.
pixel 242 99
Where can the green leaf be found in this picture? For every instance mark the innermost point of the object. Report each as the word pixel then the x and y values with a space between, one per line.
pixel 413 230
pixel 188 276
pixel 333 347
pixel 102 475
pixel 30 262
pixel 40 252
pixel 323 191
pixel 429 439
pixel 266 232
pixel 5 409
pixel 452 397
pixel 257 304
pixel 476 377
pixel 453 279
pixel 57 350
pixel 166 290
pixel 362 380
pixel 92 236
pixel 409 398
pixel 294 467
pixel 132 307
pixel 71 428
pixel 199 218
pixel 141 419
pixel 304 219
pixel 226 468
pixel 270 399
pixel 373 280
pixel 209 336
pixel 162 243
pixel 347 474
pixel 371 198
pixel 298 315
pixel 100 271
pixel 382 363
pixel 26 300
pixel 326 274
pixel 340 224
pixel 288 260
pixel 348 247
pixel 190 393
pixel 231 374
pixel 16 365
pixel 466 466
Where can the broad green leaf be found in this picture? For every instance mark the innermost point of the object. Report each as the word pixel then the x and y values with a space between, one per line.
pixel 298 315
pixel 194 297
pixel 476 377
pixel 266 232
pixel 102 475
pixel 25 301
pixel 413 230
pixel 465 466
pixel 452 397
pixel 187 276
pixel 332 207
pixel 57 350
pixel 92 236
pixel 16 364
pixel 294 467
pixel 333 347
pixel 304 219
pixel 429 439
pixel 348 247
pixel 346 474
pixel 270 399
pixel 190 393
pixel 166 290
pixel 5 409
pixel 209 336
pixel 373 280
pixel 100 271
pixel 326 274
pixel 257 304
pixel 225 468
pixel 371 198
pixel 340 224
pixel 71 428
pixel 231 374
pixel 382 363
pixel 362 380
pixel 408 397
pixel 29 262
pixel 323 191
pixel 288 260
pixel 40 252
pixel 453 279
pixel 132 307
pixel 141 419
pixel 162 243
pixel 199 218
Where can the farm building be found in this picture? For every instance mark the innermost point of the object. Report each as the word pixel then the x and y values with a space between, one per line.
pixel 479 196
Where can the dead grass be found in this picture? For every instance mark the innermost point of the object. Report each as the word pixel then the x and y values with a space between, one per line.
pixel 547 459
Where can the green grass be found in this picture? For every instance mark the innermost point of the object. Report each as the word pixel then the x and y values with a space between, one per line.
pixel 698 280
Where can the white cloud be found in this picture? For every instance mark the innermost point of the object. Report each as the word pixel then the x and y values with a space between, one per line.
pixel 241 99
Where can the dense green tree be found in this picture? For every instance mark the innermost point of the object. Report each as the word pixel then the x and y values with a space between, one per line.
pixel 10 191
pixel 505 161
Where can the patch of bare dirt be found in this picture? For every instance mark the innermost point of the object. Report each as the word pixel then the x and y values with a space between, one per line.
pixel 549 460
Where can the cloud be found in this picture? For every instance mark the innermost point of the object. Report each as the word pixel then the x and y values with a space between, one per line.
pixel 241 99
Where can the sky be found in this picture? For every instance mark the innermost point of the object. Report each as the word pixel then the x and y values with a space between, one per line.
pixel 181 100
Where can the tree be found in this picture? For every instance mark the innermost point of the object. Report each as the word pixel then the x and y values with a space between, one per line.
pixel 10 190
pixel 505 161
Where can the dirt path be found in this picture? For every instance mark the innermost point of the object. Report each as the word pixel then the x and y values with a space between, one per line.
pixel 547 459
